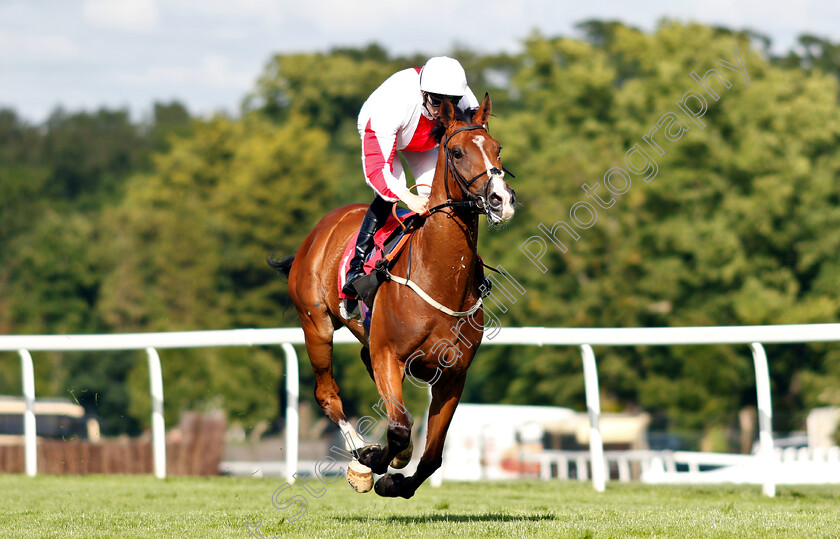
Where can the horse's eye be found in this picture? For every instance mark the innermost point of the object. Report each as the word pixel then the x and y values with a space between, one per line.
pixel 456 153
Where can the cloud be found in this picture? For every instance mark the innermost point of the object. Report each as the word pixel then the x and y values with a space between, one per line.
pixel 37 46
pixel 140 16
pixel 213 71
pixel 353 17
pixel 267 11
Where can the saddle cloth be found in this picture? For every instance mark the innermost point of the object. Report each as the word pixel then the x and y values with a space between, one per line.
pixel 383 240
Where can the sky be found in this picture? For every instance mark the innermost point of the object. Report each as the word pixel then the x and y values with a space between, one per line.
pixel 207 54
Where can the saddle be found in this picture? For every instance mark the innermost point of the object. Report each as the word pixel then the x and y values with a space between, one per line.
pixel 388 243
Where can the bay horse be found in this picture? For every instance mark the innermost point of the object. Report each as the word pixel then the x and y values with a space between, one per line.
pixel 408 333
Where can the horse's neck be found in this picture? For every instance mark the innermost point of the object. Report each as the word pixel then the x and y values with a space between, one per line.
pixel 444 189
pixel 450 233
pixel 447 245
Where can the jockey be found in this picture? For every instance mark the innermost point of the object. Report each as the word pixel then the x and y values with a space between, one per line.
pixel 399 116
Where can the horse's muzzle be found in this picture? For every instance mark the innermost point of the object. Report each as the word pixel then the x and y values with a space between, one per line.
pixel 500 201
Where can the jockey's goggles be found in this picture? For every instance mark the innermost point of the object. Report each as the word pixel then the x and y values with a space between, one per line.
pixel 436 100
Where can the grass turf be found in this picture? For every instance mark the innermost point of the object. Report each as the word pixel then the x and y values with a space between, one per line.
pixel 141 506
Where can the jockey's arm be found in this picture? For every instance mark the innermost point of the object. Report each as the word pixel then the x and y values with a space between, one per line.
pixel 380 139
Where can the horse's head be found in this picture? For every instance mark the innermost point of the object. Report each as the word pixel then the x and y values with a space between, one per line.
pixel 473 171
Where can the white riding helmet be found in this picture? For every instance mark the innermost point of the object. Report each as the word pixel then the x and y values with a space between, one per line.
pixel 443 75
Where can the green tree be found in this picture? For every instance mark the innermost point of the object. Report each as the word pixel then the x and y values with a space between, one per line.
pixel 90 154
pixel 727 233
pixel 740 225
pixel 325 89
pixel 194 235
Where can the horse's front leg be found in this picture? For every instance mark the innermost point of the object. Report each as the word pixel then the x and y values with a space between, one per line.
pixel 445 398
pixel 388 374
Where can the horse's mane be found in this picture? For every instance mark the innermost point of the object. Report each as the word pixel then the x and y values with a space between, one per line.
pixel 465 116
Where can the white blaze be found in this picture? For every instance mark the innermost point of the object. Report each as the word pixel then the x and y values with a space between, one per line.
pixel 479 141
pixel 497 184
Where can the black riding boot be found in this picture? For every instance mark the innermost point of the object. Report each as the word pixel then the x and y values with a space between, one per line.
pixel 374 219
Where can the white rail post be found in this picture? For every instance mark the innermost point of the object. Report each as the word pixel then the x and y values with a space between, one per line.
pixel 593 406
pixel 292 418
pixel 765 418
pixel 30 443
pixel 158 427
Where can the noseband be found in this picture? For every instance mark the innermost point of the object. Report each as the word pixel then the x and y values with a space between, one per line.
pixel 469 202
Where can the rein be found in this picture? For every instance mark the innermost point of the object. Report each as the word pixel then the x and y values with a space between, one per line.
pixel 471 203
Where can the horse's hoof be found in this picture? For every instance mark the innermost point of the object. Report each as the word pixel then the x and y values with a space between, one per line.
pixel 389 485
pixel 404 457
pixel 366 452
pixel 370 456
pixel 360 477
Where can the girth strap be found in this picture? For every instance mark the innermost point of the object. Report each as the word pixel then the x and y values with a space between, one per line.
pixel 431 301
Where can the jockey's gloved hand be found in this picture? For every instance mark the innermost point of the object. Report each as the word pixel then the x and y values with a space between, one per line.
pixel 415 203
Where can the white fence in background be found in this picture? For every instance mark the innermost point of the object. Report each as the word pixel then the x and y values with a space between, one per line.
pixel 789 466
pixel 585 338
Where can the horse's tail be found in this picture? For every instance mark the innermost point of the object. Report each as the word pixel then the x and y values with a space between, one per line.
pixel 282 266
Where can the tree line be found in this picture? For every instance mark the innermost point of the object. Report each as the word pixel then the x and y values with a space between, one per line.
pixel 111 225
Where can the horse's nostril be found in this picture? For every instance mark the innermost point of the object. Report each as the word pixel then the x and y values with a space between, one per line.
pixel 495 200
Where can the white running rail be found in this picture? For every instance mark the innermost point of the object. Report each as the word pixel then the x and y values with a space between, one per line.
pixel 791 466
pixel 582 337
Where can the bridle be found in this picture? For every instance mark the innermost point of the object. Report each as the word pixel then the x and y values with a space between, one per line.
pixel 469 202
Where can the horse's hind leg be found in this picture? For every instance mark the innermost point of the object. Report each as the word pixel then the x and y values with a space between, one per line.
pixel 318 333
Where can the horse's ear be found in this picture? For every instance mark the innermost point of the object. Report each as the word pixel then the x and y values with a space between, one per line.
pixel 447 113
pixel 483 112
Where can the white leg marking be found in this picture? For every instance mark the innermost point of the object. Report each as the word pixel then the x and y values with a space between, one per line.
pixel 352 439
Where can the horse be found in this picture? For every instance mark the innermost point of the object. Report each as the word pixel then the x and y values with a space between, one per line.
pixel 433 339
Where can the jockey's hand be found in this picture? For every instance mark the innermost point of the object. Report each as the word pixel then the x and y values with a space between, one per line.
pixel 415 203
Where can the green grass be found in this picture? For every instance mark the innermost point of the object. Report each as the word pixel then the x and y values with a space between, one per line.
pixel 141 506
